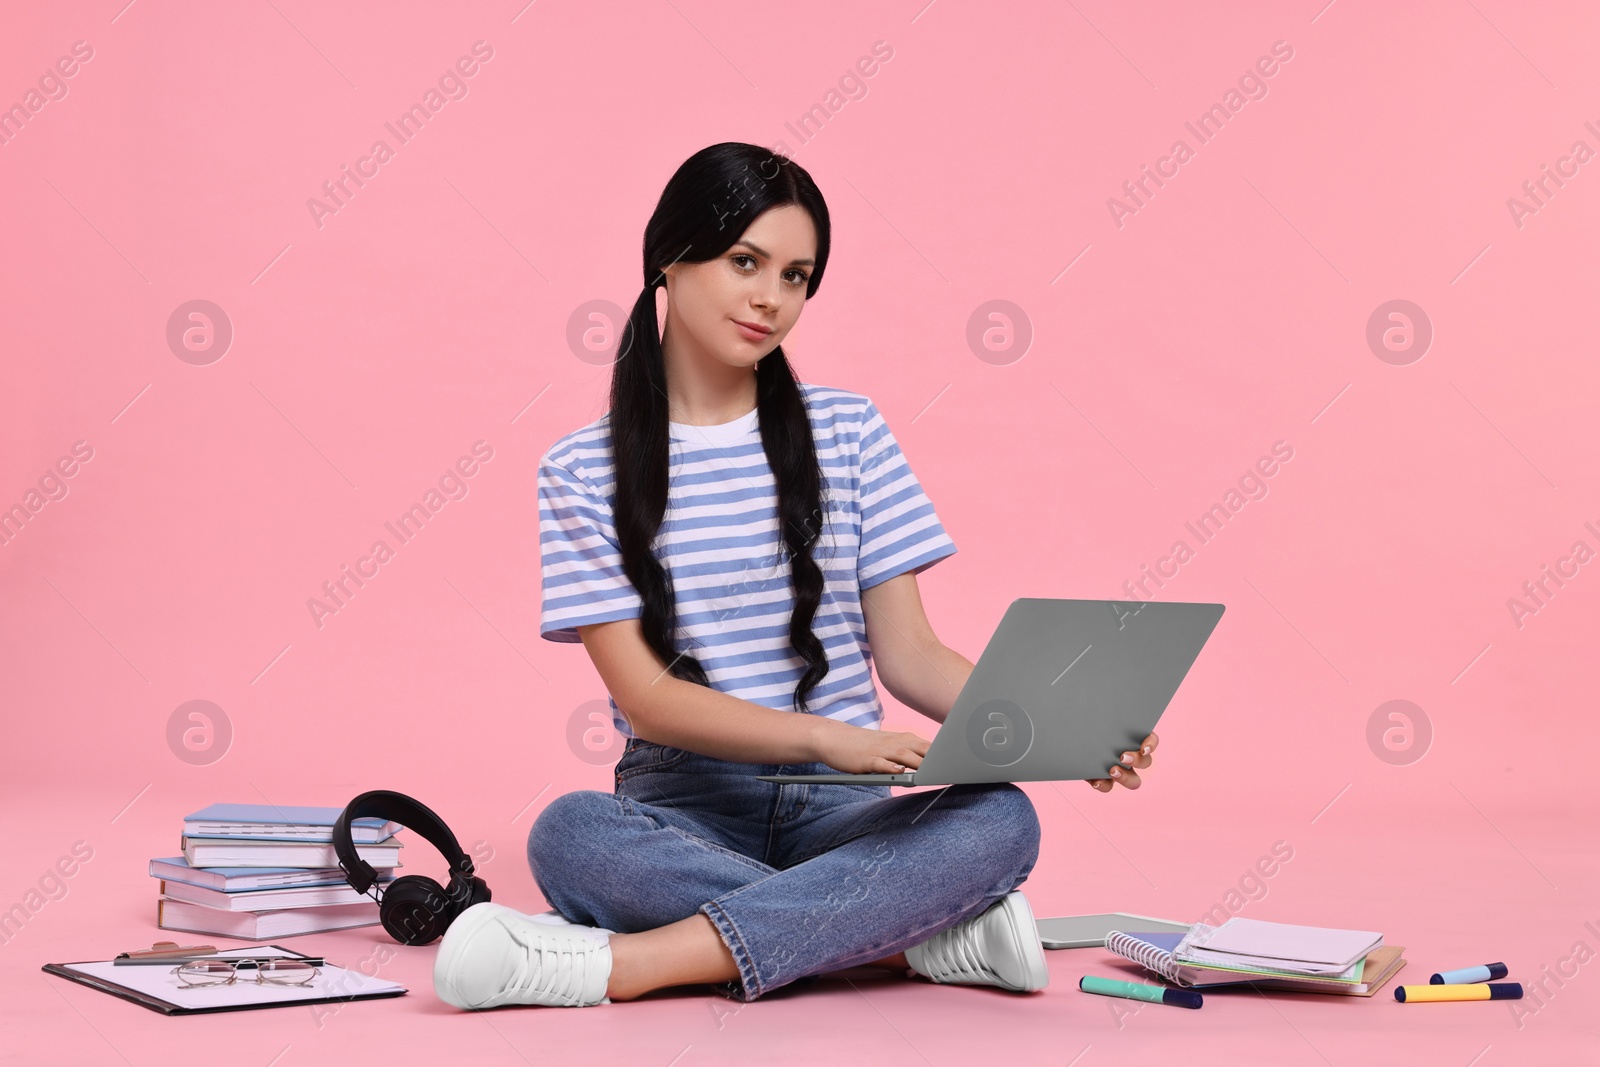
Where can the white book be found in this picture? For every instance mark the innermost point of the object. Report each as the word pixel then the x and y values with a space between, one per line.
pixel 266 899
pixel 261 925
pixel 225 852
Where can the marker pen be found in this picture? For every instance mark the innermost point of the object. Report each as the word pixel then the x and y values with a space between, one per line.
pixel 1488 972
pixel 1407 994
pixel 1155 994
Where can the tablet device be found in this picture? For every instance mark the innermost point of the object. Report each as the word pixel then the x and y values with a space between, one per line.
pixel 1089 931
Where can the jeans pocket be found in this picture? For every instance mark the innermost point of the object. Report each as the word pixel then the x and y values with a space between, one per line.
pixel 644 757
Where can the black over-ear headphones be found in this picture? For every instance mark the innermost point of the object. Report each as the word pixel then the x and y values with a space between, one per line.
pixel 414 909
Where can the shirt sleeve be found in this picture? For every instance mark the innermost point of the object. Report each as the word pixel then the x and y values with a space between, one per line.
pixel 899 530
pixel 582 579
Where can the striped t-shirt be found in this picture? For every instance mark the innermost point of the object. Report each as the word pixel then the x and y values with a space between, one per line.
pixel 729 569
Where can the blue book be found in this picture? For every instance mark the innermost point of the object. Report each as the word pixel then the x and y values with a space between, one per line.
pixel 281 822
pixel 246 879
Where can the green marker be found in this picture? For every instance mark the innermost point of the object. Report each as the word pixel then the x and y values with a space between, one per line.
pixel 1155 994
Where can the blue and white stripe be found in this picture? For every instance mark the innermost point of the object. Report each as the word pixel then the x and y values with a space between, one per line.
pixel 720 546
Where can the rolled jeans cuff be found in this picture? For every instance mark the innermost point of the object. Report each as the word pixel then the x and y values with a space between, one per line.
pixel 748 986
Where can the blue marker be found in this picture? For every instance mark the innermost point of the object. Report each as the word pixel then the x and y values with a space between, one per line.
pixel 1470 974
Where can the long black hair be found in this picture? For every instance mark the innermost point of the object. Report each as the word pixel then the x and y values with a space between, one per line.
pixel 706 206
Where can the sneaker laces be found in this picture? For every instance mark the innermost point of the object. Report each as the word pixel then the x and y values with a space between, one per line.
pixel 953 956
pixel 553 966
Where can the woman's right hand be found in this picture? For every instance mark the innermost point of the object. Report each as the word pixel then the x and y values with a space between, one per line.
pixel 860 750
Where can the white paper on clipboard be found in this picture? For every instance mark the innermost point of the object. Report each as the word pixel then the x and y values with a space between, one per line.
pixel 158 981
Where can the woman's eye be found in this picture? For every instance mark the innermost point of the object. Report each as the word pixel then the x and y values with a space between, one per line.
pixel 800 276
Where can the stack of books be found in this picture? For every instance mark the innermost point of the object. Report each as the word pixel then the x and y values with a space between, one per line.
pixel 1266 955
pixel 260 871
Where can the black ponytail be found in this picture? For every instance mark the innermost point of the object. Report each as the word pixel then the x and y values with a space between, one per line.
pixel 706 206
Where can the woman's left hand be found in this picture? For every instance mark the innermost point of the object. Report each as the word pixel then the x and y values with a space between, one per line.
pixel 1125 772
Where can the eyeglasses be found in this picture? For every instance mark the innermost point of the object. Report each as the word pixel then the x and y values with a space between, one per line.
pixel 270 971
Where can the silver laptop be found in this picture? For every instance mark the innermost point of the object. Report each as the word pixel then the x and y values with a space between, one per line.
pixel 1063 688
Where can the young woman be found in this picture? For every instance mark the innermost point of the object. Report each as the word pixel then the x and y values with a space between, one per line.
pixel 735 549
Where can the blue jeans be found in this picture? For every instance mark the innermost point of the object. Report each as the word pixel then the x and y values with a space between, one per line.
pixel 797 879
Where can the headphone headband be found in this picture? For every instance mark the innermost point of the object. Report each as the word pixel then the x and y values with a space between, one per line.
pixel 409 813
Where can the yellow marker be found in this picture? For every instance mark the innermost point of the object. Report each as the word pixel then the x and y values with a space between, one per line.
pixel 1472 991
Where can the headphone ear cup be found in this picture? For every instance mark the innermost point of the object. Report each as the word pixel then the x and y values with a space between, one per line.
pixel 464 892
pixel 414 910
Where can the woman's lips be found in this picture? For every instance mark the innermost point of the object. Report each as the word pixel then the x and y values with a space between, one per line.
pixel 750 334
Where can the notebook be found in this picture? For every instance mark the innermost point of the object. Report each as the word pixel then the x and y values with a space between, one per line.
pixel 262 925
pixel 235 852
pixel 236 879
pixel 154 986
pixel 1308 950
pixel 281 822
pixel 1153 952
pixel 315 896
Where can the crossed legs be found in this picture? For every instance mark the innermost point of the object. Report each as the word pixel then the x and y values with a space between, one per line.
pixel 688 910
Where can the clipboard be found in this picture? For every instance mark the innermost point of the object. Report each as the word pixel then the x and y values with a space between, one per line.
pixel 156 989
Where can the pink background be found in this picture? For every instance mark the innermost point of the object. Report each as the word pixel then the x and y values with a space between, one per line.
pixel 434 310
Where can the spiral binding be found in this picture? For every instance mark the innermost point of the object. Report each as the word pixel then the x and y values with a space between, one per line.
pixel 1148 956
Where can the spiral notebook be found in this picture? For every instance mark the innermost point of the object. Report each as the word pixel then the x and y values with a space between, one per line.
pixel 1153 952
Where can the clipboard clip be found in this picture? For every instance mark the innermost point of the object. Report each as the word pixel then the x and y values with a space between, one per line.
pixel 164 950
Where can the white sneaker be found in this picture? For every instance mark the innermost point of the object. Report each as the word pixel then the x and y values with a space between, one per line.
pixel 493 955
pixel 999 947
